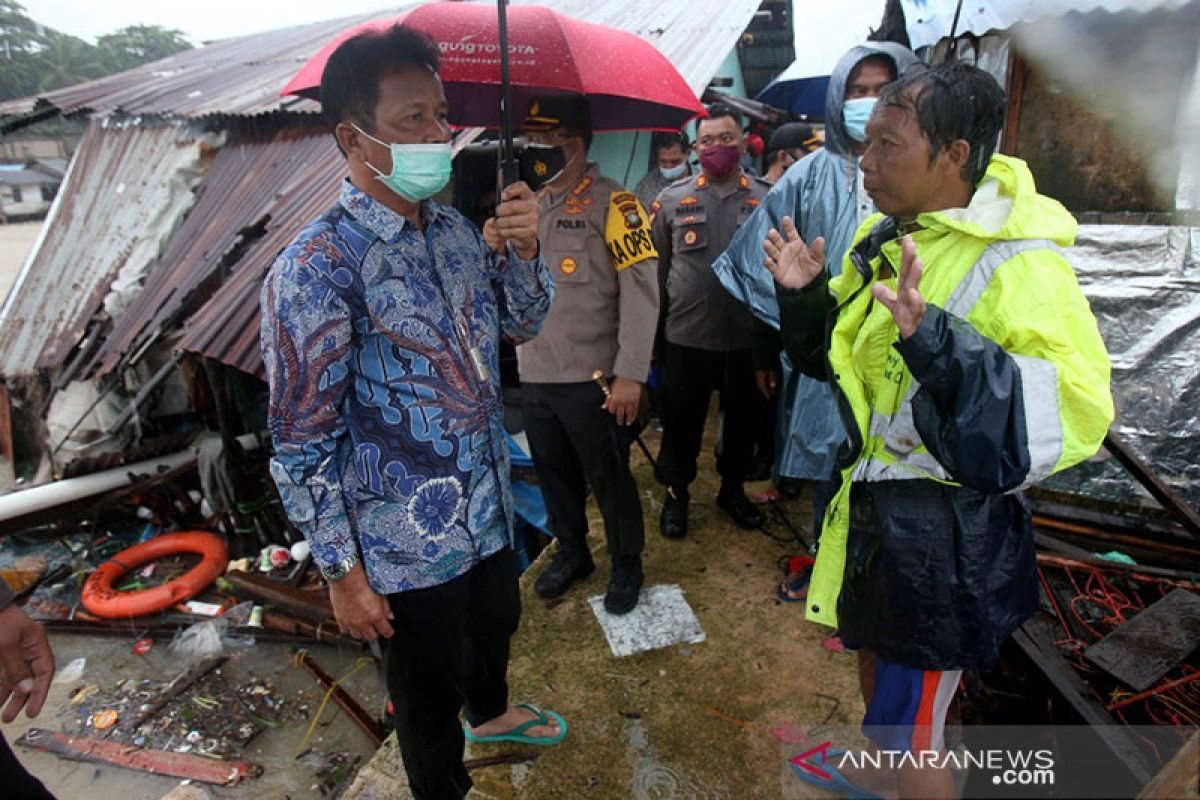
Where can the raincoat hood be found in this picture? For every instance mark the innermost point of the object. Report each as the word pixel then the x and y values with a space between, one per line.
pixel 836 138
pixel 1006 206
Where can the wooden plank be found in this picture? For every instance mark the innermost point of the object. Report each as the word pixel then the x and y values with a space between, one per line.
pixel 296 602
pixel 1180 777
pixel 1033 640
pixel 1157 487
pixel 158 762
pixel 1150 645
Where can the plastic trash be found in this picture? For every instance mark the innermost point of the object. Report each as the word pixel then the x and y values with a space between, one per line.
pixel 72 672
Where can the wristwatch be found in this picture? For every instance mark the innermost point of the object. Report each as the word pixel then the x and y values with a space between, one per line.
pixel 339 570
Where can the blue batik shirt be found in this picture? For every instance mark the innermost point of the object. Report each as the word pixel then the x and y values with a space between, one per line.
pixel 380 343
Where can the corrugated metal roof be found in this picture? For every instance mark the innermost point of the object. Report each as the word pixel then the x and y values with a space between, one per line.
pixel 244 75
pixel 124 193
pixel 255 196
pixel 928 21
pixel 232 76
pixel 226 327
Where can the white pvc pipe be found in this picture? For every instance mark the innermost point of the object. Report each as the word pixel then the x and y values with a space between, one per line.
pixel 40 498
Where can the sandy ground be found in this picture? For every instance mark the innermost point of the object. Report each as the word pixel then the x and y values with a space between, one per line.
pixel 15 241
pixel 689 721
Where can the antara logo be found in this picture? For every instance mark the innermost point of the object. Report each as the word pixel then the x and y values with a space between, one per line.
pixel 803 763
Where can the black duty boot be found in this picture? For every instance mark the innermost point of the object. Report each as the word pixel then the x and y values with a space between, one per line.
pixel 673 522
pixel 564 568
pixel 624 586
pixel 735 503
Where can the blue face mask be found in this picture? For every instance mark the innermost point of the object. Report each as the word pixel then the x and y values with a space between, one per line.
pixel 855 114
pixel 673 173
pixel 419 171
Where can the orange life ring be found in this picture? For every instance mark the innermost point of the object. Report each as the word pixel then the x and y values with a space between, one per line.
pixel 100 598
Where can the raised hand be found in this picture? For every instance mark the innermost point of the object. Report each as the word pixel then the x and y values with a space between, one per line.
pixel 793 263
pixel 906 303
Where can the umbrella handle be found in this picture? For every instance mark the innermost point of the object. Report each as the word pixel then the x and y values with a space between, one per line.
pixel 509 174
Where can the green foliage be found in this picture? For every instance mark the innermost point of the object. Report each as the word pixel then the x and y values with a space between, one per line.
pixel 139 44
pixel 35 59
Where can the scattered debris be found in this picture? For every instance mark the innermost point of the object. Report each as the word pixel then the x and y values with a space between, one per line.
pixel 340 696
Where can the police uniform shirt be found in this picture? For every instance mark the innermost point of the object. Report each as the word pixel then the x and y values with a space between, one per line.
pixel 596 242
pixel 693 221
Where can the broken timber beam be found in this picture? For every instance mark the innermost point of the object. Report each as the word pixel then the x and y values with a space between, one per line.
pixel 1157 487
pixel 158 762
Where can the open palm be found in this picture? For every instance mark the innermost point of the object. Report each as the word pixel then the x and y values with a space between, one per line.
pixel 793 263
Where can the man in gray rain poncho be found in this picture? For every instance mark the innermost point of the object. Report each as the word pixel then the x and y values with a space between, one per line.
pixel 823 193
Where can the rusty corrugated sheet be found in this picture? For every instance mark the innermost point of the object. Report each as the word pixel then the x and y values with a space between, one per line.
pixel 125 192
pixel 930 20
pixel 243 76
pixel 232 76
pixel 226 327
pixel 251 191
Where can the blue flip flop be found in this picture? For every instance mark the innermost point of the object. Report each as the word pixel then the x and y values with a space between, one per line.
pixel 518 735
pixel 837 783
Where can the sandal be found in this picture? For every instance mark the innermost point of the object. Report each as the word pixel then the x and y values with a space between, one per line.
pixel 518 734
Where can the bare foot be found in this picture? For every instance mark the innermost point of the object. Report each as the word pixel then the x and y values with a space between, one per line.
pixel 512 718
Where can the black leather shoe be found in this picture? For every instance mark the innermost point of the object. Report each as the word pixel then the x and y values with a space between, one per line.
pixel 673 522
pixel 624 587
pixel 563 570
pixel 735 503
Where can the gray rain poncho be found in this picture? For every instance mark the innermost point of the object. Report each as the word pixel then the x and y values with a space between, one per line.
pixel 818 192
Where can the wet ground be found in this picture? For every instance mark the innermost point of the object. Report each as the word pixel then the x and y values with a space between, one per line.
pixel 110 661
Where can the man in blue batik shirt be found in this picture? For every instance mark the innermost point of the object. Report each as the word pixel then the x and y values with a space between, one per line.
pixel 381 324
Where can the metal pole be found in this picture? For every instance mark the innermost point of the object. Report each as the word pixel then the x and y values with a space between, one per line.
pixel 508 163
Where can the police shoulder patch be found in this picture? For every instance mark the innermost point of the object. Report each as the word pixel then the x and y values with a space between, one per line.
pixel 626 232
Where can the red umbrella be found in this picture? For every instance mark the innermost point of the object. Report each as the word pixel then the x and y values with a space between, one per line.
pixel 629 83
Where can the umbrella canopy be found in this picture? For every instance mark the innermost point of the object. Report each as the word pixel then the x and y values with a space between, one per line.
pixel 629 83
pixel 797 90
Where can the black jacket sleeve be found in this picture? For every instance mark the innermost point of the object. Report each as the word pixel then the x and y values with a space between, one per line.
pixel 969 410
pixel 802 316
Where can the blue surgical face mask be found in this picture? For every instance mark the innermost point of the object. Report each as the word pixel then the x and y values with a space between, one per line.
pixel 674 173
pixel 419 171
pixel 855 113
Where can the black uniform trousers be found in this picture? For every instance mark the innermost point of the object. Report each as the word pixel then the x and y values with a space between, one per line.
pixel 575 442
pixel 690 376
pixel 450 654
pixel 16 781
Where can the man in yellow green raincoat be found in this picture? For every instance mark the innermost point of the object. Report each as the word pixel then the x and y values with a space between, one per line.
pixel 967 365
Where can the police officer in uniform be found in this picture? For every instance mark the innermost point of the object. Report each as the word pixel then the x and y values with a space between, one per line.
pixel 595 238
pixel 708 335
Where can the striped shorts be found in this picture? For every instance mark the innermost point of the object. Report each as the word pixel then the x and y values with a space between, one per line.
pixel 908 710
